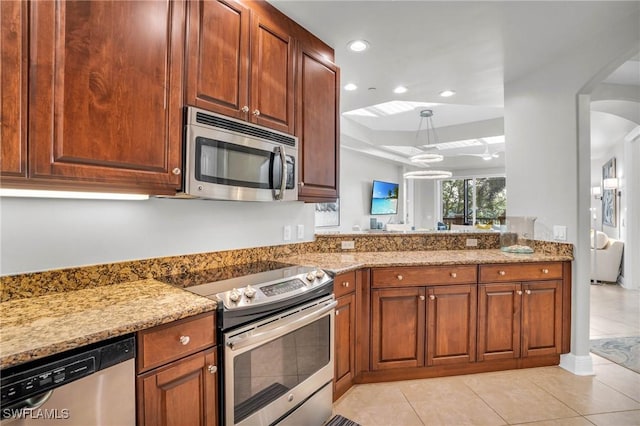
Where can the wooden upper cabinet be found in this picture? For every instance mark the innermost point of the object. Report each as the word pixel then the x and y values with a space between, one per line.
pixel 13 86
pixel 241 63
pixel 317 126
pixel 106 93
pixel 218 57
pixel 272 60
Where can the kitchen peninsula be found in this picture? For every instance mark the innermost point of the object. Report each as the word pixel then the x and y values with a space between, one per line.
pixel 409 304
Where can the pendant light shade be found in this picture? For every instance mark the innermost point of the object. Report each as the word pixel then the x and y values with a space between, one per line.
pixel 428 174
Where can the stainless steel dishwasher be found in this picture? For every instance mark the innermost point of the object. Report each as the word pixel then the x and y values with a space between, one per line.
pixel 92 385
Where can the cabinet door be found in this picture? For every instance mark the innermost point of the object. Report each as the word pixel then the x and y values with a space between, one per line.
pixel 541 318
pixel 345 344
pixel 105 93
pixel 451 324
pixel 13 86
pixel 499 321
pixel 218 57
pixel 182 393
pixel 397 329
pixel 317 126
pixel 272 60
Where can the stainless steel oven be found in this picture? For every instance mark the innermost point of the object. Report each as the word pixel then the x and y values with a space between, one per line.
pixel 229 159
pixel 280 365
pixel 275 324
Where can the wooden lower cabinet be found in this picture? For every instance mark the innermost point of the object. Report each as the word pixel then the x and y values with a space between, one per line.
pixel 517 320
pixel 423 326
pixel 397 327
pixel 177 373
pixel 345 344
pixel 181 393
pixel 451 324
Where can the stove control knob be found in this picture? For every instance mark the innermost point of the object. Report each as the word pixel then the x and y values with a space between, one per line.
pixel 234 295
pixel 311 276
pixel 249 292
pixel 320 273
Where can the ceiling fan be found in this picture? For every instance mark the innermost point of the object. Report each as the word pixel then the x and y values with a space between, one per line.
pixel 486 155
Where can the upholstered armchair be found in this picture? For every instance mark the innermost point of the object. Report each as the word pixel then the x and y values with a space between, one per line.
pixel 606 257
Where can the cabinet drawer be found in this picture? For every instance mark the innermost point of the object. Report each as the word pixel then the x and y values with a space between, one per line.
pixel 344 284
pixel 520 272
pixel 165 343
pixel 424 275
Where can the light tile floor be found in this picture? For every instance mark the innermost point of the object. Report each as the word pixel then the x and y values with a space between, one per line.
pixel 546 396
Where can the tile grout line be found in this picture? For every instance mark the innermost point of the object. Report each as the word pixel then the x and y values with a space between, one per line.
pixel 412 407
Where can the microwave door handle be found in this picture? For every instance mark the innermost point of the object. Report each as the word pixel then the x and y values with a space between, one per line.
pixel 283 172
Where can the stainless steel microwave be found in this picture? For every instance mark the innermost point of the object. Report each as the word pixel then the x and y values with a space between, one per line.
pixel 229 159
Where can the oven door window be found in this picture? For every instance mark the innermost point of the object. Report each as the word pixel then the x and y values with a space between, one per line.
pixel 238 165
pixel 269 371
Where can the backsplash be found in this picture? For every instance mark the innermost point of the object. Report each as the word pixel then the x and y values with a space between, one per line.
pixel 55 281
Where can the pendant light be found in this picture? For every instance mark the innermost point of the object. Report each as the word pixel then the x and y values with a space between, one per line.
pixel 424 158
pixel 428 174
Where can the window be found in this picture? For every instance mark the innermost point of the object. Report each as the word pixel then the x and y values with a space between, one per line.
pixel 474 201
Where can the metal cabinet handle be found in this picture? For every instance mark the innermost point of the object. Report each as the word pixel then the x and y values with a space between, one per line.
pixel 502 273
pixel 545 271
pixel 176 171
pixel 453 275
pixel 399 277
pixel 528 291
pixel 300 184
pixel 337 313
pixel 244 109
pixel 519 292
pixel 256 112
pixel 212 369
pixel 345 284
pixel 432 297
pixel 184 340
pixel 421 297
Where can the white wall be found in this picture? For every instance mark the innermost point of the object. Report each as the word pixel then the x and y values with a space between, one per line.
pixel 42 234
pixel 548 154
pixel 357 171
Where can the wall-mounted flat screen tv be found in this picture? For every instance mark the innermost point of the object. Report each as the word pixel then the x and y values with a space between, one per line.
pixel 384 198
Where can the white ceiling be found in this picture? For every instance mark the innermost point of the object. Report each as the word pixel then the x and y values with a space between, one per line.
pixel 470 47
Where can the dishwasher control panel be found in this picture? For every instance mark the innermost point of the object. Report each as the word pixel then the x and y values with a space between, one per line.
pixel 39 376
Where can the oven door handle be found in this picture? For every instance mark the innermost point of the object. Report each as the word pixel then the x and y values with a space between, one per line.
pixel 288 325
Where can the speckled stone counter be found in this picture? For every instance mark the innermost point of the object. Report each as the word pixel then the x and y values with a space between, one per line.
pixel 39 326
pixel 345 262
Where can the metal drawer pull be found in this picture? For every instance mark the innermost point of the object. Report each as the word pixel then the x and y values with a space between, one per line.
pixel 256 112
pixel 212 369
pixel 244 109
pixel 528 291
pixel 545 271
pixel 432 297
pixel 453 275
pixel 519 292
pixel 185 340
pixel 421 297
pixel 345 284
pixel 502 273
pixel 400 277
pixel 337 313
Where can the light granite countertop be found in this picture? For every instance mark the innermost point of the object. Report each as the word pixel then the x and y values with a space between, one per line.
pixel 36 327
pixel 345 261
pixel 40 326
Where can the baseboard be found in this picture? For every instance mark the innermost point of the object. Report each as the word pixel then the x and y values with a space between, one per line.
pixel 578 365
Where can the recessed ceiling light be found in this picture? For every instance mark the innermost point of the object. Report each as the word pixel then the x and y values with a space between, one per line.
pixel 400 89
pixel 447 93
pixel 350 87
pixel 358 45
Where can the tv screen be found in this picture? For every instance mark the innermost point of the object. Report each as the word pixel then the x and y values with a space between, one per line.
pixel 384 198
